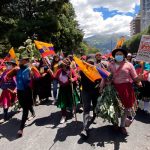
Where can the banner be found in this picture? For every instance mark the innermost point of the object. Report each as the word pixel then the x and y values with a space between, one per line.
pixel 144 49
pixel 45 49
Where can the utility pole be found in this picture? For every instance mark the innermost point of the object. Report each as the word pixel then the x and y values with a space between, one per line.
pixel 111 45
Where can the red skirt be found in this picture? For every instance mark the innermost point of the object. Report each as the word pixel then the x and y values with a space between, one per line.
pixel 126 94
pixel 7 98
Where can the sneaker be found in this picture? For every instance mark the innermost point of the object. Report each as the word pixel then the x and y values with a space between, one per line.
pixel 30 118
pixel 63 120
pixel 84 134
pixel 20 133
pixel 2 121
pixel 146 112
pixel 37 103
pixel 128 121
pixel 80 110
pixel 54 102
pixel 93 119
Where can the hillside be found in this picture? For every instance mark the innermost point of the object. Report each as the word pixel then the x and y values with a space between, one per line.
pixel 106 42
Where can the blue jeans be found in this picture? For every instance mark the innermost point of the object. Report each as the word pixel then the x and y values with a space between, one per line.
pixel 55 86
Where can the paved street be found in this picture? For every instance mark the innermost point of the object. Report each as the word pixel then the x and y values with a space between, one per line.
pixel 45 133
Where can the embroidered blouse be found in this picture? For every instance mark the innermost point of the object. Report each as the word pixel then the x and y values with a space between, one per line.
pixel 125 73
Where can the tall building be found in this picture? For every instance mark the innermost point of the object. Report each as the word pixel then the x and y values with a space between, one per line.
pixel 145 14
pixel 135 25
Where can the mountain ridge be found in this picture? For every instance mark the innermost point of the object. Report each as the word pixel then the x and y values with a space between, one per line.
pixel 104 42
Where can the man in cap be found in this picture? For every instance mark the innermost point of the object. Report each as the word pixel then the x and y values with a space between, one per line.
pixel 24 89
pixel 99 63
pixel 89 94
pixel 98 57
pixel 129 57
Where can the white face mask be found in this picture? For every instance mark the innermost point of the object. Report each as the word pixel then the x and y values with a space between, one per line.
pixel 119 58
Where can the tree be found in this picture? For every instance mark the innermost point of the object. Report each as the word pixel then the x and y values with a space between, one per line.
pixel 86 49
pixel 132 44
pixel 52 21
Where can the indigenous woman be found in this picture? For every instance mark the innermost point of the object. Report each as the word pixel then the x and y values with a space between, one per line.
pixel 124 75
pixel 8 87
pixel 146 87
pixel 144 67
pixel 44 82
pixel 68 96
pixel 55 67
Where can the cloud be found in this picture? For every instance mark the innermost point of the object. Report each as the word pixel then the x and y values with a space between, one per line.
pixel 93 23
pixel 121 6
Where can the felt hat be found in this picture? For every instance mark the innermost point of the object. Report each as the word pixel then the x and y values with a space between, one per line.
pixel 98 53
pixel 24 56
pixel 12 61
pixel 121 50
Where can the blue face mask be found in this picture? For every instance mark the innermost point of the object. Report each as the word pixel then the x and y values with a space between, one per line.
pixel 119 58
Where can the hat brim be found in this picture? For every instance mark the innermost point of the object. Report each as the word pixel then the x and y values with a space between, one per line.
pixel 10 62
pixel 90 60
pixel 64 64
pixel 25 58
pixel 117 50
pixel 98 53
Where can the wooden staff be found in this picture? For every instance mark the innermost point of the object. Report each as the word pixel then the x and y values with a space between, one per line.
pixel 74 103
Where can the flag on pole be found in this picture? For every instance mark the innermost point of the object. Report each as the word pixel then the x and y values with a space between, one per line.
pixel 120 42
pixel 11 55
pixel 45 49
pixel 91 71
pixel 61 54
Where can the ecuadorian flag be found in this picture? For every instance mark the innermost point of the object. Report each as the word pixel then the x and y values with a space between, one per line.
pixel 91 71
pixel 11 55
pixel 45 49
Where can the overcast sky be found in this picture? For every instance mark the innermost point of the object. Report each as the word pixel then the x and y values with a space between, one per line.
pixel 105 16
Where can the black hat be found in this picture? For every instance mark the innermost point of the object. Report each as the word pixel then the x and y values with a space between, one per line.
pixel 119 49
pixel 24 56
pixel 12 61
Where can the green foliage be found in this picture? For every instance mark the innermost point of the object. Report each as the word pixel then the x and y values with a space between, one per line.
pixel 86 49
pixel 51 21
pixel 29 48
pixel 109 106
pixel 133 44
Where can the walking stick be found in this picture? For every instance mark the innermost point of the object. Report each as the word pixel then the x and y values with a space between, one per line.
pixel 74 103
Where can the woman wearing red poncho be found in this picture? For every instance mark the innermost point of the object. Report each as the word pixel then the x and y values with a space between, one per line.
pixel 68 98
pixel 123 75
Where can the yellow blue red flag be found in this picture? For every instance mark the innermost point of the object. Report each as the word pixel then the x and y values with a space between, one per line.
pixel 91 71
pixel 45 49
pixel 11 55
pixel 120 42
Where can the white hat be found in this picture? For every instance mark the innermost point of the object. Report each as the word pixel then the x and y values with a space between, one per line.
pixel 129 54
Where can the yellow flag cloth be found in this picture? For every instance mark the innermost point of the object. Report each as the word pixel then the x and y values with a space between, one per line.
pixel 89 70
pixel 11 55
pixel 45 49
